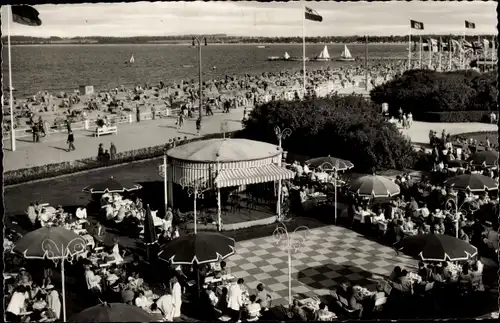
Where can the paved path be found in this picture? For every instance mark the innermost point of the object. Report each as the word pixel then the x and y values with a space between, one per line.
pixel 419 131
pixel 130 136
pixel 156 132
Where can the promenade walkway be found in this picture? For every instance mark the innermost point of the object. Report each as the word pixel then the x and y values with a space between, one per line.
pixel 53 149
pixel 149 133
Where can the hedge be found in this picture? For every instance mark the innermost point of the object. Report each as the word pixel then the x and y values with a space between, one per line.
pixel 24 175
pixel 456 116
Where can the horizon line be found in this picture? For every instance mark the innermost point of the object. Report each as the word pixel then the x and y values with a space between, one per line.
pixel 238 36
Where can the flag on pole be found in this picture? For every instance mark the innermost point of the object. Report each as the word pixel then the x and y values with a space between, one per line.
pixel 470 25
pixel 311 14
pixel 486 43
pixel 457 47
pixel 417 25
pixel 25 15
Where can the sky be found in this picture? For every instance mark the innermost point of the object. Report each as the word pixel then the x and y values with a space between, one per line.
pixel 256 19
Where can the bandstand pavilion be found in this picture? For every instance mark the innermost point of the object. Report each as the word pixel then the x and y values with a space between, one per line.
pixel 219 163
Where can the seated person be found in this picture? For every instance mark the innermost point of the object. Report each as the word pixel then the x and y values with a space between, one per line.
pixel 298 312
pixel 142 301
pixel 323 314
pixel 263 297
pixel 212 296
pixel 44 218
pixel 253 308
pixel 408 224
pixel 223 270
pixel 81 213
pixel 379 216
pixel 223 299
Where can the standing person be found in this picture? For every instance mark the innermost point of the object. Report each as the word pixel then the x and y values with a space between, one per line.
pixel 34 130
pixel 235 300
pixel 41 126
pixel 68 124
pixel 53 300
pixel 138 113
pixel 112 151
pixel 180 120
pixel 16 305
pixel 100 152
pixel 153 112
pixel 166 306
pixel 71 140
pixel 177 297
pixel 198 126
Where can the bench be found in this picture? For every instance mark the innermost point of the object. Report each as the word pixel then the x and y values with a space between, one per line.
pixel 106 131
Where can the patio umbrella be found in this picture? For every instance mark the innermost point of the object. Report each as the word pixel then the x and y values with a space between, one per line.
pixel 113 312
pixel 200 248
pixel 374 186
pixel 318 162
pixel 111 185
pixel 52 243
pixel 437 247
pixel 149 232
pixel 485 157
pixel 473 182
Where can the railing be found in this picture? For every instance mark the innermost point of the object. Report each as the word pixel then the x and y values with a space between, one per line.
pixel 90 124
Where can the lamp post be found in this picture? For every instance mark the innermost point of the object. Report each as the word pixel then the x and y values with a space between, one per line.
pixel 460 209
pixel 280 134
pixel 194 188
pixel 197 41
pixel 290 242
pixel 335 170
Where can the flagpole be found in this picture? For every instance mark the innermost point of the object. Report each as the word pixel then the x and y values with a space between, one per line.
pixel 462 53
pixel 440 58
pixel 420 54
pixel 11 99
pixel 304 47
pixel 493 49
pixel 366 62
pixel 409 48
pixel 450 53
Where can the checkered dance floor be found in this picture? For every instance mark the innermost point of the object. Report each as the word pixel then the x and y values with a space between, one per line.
pixel 327 255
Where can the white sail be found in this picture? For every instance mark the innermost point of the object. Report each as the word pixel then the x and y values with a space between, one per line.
pixel 346 53
pixel 132 59
pixel 286 56
pixel 324 53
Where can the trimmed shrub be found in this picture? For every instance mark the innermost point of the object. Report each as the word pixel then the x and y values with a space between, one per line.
pixel 456 116
pixel 24 175
pixel 348 127
pixel 423 91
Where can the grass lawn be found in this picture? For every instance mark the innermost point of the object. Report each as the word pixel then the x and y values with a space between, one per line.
pixel 480 136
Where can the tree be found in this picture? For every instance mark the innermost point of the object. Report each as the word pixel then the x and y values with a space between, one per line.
pixel 423 91
pixel 347 127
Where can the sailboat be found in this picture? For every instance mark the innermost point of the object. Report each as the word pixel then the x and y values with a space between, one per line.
pixel 346 55
pixel 324 56
pixel 131 60
pixel 286 56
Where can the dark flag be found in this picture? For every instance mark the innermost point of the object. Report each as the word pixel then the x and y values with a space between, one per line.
pixel 311 14
pixel 470 25
pixel 417 25
pixel 25 15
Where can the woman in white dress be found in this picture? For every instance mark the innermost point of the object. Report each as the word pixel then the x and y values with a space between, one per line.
pixel 116 251
pixel 166 306
pixel 177 297
pixel 53 300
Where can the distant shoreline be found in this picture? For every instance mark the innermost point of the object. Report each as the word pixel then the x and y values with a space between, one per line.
pixel 210 44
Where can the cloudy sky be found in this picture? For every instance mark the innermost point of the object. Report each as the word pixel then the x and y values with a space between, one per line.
pixel 256 19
